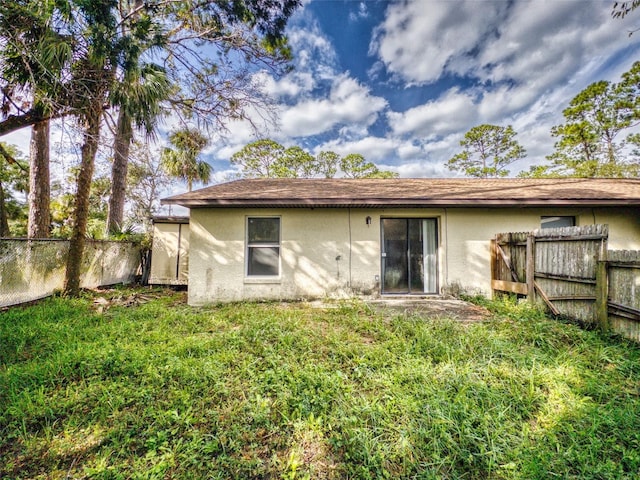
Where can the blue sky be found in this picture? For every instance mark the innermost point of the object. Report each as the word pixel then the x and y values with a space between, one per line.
pixel 401 82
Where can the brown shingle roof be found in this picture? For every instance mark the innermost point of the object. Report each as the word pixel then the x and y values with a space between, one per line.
pixel 413 192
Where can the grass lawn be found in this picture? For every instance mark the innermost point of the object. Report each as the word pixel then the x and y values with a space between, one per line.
pixel 270 391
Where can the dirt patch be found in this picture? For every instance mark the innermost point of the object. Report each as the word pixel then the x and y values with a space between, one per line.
pixel 431 308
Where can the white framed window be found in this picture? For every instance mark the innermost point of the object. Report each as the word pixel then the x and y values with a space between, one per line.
pixel 263 247
pixel 557 221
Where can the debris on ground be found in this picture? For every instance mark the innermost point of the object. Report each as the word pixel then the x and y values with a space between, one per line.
pixel 432 308
pixel 102 304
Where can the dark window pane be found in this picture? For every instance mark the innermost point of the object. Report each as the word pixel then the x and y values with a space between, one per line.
pixel 409 260
pixel 395 267
pixel 556 222
pixel 416 256
pixel 264 261
pixel 264 230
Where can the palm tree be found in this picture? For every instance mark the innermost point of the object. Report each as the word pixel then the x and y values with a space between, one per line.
pixel 108 51
pixel 95 24
pixel 139 96
pixel 31 61
pixel 182 160
pixel 98 43
pixel 39 198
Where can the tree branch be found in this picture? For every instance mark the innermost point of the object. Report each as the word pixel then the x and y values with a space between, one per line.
pixel 10 159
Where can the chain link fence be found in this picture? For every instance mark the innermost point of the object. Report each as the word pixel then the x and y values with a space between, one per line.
pixel 33 269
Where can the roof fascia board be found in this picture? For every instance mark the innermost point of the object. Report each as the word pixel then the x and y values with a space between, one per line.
pixel 383 203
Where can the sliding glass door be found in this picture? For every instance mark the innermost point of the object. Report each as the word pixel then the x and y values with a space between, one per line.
pixel 409 255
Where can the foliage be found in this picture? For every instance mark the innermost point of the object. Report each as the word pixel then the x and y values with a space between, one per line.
pixel 327 163
pixel 74 56
pixel 182 161
pixel 33 57
pixel 13 179
pixel 266 158
pixel 62 207
pixel 540 171
pixel 589 141
pixel 43 61
pixel 354 165
pixel 295 162
pixel 587 138
pixel 622 8
pixel 487 151
pixel 140 95
pixel 146 179
pixel 161 390
pixel 257 159
pixel 61 213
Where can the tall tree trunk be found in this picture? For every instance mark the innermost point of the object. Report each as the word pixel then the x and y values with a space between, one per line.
pixel 39 182
pixel 121 145
pixel 81 211
pixel 4 221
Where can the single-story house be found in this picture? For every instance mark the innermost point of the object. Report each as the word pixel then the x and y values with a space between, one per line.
pixel 170 251
pixel 303 238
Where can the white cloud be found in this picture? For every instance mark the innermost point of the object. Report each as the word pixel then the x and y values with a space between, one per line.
pixel 504 101
pixel 408 159
pixel 347 102
pixel 417 40
pixel 422 169
pixel 291 85
pixel 407 150
pixel 449 113
pixel 444 146
pixel 546 46
pixel 541 42
pixel 362 12
pixel 374 149
pixel 521 63
pixel 314 52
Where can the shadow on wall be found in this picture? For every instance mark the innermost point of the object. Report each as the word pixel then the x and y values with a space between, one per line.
pixel 30 269
pixel 319 271
pixel 309 268
pixel 33 269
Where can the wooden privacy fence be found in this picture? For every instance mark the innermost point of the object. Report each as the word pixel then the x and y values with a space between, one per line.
pixel 573 273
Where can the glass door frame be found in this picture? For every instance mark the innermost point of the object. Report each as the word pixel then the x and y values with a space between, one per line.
pixel 428 265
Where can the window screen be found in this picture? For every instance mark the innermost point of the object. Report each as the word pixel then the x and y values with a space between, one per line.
pixel 556 222
pixel 263 246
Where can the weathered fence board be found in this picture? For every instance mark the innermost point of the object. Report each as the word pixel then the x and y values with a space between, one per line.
pixel 624 292
pixel 573 273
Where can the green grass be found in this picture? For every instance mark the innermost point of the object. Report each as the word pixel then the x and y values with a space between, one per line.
pixel 270 391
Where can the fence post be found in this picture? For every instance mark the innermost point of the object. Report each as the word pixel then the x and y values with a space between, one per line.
pixel 531 268
pixel 602 294
pixel 494 263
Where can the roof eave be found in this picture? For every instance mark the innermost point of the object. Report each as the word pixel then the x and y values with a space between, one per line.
pixel 170 219
pixel 396 203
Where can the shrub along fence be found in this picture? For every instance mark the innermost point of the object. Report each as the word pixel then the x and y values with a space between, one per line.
pixel 575 275
pixel 33 269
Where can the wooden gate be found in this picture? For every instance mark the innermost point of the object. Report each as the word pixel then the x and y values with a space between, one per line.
pixel 558 266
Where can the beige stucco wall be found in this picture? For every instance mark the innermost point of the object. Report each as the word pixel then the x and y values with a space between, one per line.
pixel 315 256
pixel 170 254
pixel 333 252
